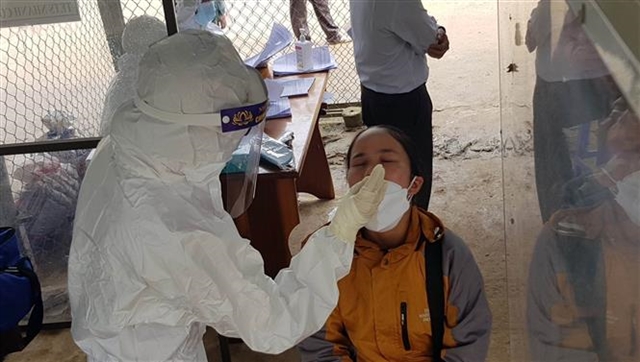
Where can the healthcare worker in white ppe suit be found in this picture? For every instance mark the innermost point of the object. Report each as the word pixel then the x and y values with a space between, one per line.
pixel 155 257
pixel 195 14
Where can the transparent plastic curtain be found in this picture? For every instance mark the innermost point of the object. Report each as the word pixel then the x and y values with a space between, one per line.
pixel 571 151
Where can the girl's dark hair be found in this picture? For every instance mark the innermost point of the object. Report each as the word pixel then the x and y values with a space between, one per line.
pixel 407 144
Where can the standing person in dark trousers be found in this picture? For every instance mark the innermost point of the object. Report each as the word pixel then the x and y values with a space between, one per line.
pixel 298 12
pixel 390 41
pixel 573 88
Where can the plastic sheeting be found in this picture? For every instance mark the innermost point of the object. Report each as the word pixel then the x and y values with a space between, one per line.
pixel 574 260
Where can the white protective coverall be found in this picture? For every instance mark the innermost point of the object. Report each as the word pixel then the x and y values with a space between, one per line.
pixel 155 257
pixel 139 33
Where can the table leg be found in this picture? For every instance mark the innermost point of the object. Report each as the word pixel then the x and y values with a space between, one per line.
pixel 269 221
pixel 315 175
pixel 225 354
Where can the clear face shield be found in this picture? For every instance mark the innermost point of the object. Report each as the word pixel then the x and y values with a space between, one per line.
pixel 239 177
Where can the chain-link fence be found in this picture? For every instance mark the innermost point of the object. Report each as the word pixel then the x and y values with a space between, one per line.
pixel 250 24
pixel 53 81
pixel 67 66
pixel 64 67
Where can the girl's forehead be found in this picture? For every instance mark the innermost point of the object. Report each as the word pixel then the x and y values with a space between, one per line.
pixel 373 139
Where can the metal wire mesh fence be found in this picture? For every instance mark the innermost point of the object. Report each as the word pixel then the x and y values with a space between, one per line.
pixel 53 81
pixel 250 24
pixel 54 77
pixel 65 67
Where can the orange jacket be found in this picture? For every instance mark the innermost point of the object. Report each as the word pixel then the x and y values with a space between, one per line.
pixel 385 288
pixel 584 287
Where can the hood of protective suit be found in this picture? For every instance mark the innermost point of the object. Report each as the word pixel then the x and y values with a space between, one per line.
pixel 184 82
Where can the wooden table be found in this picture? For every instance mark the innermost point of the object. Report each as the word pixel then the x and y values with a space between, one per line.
pixel 274 210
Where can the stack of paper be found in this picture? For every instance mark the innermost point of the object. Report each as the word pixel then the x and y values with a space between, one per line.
pixel 279 106
pixel 291 87
pixel 279 39
pixel 322 60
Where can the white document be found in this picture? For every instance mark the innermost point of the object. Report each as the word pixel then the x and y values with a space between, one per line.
pixel 290 87
pixel 274 89
pixel 279 39
pixel 297 87
pixel 322 60
pixel 279 108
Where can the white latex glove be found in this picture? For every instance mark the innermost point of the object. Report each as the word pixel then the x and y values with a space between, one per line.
pixel 359 205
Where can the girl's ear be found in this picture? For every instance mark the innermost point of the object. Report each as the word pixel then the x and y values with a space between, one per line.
pixel 415 187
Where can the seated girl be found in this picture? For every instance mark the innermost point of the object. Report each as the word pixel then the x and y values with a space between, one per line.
pixel 414 292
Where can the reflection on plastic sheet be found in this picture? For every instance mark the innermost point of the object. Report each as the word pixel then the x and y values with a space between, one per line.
pixel 573 261
pixel 584 281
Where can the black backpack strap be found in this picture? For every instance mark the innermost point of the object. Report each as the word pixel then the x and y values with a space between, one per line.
pixel 435 291
pixel 37 314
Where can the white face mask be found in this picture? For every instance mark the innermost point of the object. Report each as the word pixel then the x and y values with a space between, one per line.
pixel 395 204
pixel 628 196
